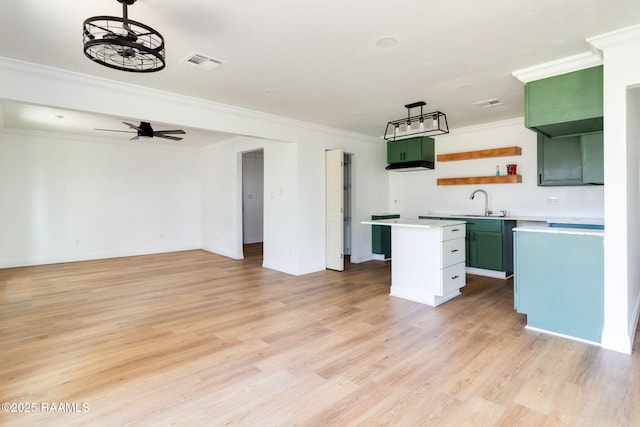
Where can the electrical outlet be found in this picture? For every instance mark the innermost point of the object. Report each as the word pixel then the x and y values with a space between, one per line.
pixel 553 201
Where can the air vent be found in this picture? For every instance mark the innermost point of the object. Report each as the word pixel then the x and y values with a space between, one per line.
pixel 202 61
pixel 493 102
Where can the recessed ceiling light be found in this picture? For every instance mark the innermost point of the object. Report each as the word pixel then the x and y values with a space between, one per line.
pixel 272 92
pixel 465 86
pixel 386 42
pixel 59 116
pixel 357 113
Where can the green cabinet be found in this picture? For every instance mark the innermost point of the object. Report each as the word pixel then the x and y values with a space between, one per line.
pixel 485 250
pixel 567 104
pixel 411 150
pixel 559 281
pixel 381 236
pixel 489 243
pixel 571 160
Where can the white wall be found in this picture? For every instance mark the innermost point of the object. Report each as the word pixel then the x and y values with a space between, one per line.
pixel 417 193
pixel 294 235
pixel 622 200
pixel 294 197
pixel 66 198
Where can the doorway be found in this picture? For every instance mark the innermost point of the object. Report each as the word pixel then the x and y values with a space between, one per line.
pixel 338 172
pixel 253 201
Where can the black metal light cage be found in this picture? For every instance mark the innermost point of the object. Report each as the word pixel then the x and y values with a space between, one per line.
pixel 429 124
pixel 123 44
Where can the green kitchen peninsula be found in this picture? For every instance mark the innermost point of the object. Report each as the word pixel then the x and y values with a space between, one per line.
pixel 559 280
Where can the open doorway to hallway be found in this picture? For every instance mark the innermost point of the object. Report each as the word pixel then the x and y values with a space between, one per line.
pixel 253 201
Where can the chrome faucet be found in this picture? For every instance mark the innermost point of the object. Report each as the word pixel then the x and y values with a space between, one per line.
pixel 486 201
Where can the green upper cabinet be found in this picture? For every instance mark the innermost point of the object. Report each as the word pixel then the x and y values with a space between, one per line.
pixel 411 150
pixel 567 104
pixel 571 160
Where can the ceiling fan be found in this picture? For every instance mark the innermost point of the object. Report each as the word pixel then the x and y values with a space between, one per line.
pixel 145 130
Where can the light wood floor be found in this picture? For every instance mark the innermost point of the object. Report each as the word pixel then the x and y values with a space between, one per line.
pixel 196 339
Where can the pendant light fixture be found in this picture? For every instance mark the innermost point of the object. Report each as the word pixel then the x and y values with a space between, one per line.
pixel 123 44
pixel 425 124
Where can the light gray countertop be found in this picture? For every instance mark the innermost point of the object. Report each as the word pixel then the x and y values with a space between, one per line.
pixel 413 222
pixel 545 219
pixel 560 230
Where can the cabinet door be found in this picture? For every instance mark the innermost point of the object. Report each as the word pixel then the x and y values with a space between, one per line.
pixel 485 250
pixel 559 161
pixel 413 149
pixel 396 152
pixel 593 158
pixel 567 104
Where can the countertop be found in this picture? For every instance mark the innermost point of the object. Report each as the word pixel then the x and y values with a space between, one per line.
pixel 546 219
pixel 561 230
pixel 414 222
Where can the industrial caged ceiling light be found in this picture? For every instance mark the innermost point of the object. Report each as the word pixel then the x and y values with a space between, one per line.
pixel 123 44
pixel 425 124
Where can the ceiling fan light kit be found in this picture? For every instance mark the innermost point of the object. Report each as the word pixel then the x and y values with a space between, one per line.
pixel 424 124
pixel 123 44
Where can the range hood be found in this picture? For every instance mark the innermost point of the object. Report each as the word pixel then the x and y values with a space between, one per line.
pixel 416 165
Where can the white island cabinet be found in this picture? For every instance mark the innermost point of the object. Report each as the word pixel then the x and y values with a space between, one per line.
pixel 428 261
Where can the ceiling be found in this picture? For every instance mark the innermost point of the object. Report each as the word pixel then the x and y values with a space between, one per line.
pixel 318 61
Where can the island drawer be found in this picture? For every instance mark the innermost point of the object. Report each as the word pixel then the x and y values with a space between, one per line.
pixel 453 232
pixel 453 252
pixel 453 278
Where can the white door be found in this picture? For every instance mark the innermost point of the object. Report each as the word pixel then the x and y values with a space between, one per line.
pixel 334 195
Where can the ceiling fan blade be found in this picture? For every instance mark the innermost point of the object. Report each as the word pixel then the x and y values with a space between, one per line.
pixel 171 132
pixel 114 130
pixel 173 138
pixel 133 126
pixel 135 138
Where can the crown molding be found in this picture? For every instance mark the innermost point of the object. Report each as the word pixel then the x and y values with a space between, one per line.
pixel 559 66
pixel 614 39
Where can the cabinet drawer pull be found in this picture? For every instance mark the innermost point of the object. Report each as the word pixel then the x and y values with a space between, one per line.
pixel 454 277
pixel 455 229
pixel 454 250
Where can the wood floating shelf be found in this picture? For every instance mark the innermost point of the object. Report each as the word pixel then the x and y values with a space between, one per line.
pixel 480 154
pixel 501 179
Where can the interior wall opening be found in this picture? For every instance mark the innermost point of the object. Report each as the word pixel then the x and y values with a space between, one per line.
pixel 253 202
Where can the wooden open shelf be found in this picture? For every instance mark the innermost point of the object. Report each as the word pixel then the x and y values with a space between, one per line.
pixel 502 179
pixel 480 154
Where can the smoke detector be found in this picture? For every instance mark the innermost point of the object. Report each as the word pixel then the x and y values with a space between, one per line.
pixel 202 61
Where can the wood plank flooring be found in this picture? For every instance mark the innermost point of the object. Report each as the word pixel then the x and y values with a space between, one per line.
pixel 196 339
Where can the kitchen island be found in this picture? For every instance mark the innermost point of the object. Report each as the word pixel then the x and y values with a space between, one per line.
pixel 428 264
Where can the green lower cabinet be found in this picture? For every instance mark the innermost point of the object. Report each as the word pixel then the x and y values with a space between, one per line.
pixel 559 282
pixel 485 250
pixel 381 236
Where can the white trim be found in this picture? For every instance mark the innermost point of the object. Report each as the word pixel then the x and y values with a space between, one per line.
pixel 557 67
pixel 616 38
pixel 487 273
pixel 544 331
